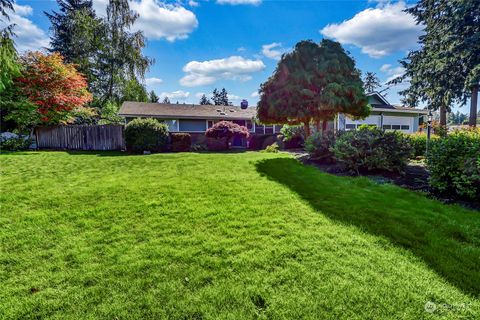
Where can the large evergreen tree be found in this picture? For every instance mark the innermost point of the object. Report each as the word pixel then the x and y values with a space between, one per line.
pixel 445 70
pixel 371 82
pixel 220 98
pixel 204 100
pixel 153 97
pixel 312 84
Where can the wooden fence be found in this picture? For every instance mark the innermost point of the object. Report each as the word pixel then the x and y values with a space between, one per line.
pixel 105 137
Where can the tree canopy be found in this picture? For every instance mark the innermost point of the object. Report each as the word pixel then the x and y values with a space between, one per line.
pixel 226 130
pixel 371 81
pixel 220 98
pixel 312 83
pixel 204 100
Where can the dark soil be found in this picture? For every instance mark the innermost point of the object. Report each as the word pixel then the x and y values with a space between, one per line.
pixel 415 178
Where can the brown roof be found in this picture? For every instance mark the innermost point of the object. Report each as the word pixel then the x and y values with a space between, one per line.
pixel 185 111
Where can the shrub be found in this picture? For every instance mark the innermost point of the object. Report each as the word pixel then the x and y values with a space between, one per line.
pixel 454 164
pixel 12 142
pixel 227 130
pixel 261 141
pixel 293 136
pixel 146 135
pixel 273 148
pixel 180 142
pixel 318 145
pixel 370 148
pixel 198 147
pixel 418 141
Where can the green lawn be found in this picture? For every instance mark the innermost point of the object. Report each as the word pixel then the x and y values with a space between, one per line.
pixel 225 236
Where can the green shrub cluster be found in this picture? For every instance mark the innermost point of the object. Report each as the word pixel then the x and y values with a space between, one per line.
pixel 319 145
pixel 14 143
pixel 370 148
pixel 180 142
pixel 261 141
pixel 418 141
pixel 292 136
pixel 454 164
pixel 273 148
pixel 146 135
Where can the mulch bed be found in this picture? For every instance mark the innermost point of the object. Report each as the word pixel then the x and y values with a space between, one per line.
pixel 414 178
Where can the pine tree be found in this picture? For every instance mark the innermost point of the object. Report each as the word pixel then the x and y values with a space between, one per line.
pixel 166 100
pixel 371 82
pixel 220 98
pixel 204 100
pixel 153 97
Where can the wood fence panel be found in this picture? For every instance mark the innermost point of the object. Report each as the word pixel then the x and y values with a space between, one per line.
pixel 101 137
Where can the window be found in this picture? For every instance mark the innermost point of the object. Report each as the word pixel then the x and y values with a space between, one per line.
pixel 278 127
pixel 405 127
pixel 210 123
pixel 268 129
pixel 172 125
pixel 350 126
pixel 259 129
pixel 387 127
pixel 395 127
pixel 249 125
pixel 193 125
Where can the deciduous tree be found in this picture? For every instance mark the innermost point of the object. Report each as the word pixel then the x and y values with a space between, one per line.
pixel 226 130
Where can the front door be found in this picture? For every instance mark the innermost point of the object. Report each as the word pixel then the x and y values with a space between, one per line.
pixel 237 141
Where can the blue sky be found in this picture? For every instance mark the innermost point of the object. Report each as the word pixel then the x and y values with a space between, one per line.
pixel 200 45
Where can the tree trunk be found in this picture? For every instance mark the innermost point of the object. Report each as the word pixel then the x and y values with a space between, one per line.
pixel 317 125
pixel 227 140
pixel 324 125
pixel 443 117
pixel 473 107
pixel 306 127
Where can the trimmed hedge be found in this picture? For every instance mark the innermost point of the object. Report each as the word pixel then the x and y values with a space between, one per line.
pixel 180 142
pixel 418 141
pixel 370 148
pixel 146 135
pixel 454 164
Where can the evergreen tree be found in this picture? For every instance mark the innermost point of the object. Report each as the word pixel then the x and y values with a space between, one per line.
pixel 312 84
pixel 371 82
pixel 446 69
pixel 153 97
pixel 6 5
pixel 204 100
pixel 134 91
pixel 77 34
pixel 166 100
pixel 220 98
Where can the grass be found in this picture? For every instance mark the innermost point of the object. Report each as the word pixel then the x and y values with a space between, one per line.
pixel 225 236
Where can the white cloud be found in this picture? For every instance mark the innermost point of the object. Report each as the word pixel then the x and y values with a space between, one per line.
pixel 192 3
pixel 207 72
pixel 378 31
pixel 273 50
pixel 157 19
pixel 241 49
pixel 392 72
pixel 255 94
pixel 237 2
pixel 175 95
pixel 233 97
pixel 153 81
pixel 29 36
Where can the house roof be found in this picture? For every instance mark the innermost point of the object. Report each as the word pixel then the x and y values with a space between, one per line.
pixel 185 111
pixel 385 106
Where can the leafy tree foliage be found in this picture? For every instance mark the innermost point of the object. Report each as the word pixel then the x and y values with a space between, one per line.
pixel 54 91
pixel 134 91
pixel 220 98
pixel 371 82
pixel 312 84
pixel 204 100
pixel 153 97
pixel 166 100
pixel 446 69
pixel 10 67
pixel 227 130
pixel 77 35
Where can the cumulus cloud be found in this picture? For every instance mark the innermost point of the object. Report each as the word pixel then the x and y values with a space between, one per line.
pixel 175 95
pixel 29 36
pixel 237 2
pixel 207 72
pixel 273 50
pixel 378 31
pixel 255 94
pixel 392 72
pixel 153 81
pixel 192 3
pixel 157 19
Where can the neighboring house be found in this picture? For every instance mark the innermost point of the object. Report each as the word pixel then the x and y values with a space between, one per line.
pixel 196 119
pixel 386 116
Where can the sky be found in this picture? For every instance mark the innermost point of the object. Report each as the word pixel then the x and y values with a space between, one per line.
pixel 236 44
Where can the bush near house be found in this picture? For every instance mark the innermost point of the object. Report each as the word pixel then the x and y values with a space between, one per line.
pixel 418 141
pixel 226 130
pixel 12 142
pixel 370 148
pixel 146 135
pixel 261 141
pixel 293 136
pixel 319 145
pixel 180 142
pixel 454 164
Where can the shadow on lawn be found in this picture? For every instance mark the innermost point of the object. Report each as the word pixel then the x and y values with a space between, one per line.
pixel 447 238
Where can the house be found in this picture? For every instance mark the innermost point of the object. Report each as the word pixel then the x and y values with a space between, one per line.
pixel 196 119
pixel 386 116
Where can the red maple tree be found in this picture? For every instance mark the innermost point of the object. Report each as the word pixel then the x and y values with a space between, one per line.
pixel 55 87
